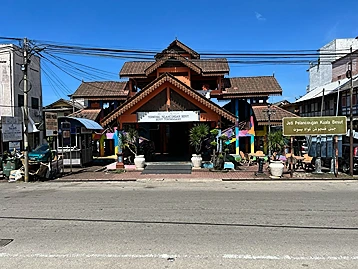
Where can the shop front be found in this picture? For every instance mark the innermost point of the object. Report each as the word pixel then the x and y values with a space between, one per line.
pixel 74 140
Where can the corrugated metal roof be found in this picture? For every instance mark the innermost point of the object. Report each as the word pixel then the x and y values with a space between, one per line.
pixel 89 124
pixel 328 89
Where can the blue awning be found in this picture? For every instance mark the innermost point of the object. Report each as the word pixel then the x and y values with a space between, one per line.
pixel 89 124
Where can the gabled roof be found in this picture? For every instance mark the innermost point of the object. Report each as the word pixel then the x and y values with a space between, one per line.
pixel 244 87
pixel 166 77
pixel 169 57
pixel 67 103
pixel 172 47
pixel 275 118
pixel 203 67
pixel 102 89
pixel 87 113
pixel 134 68
pixel 261 84
pixel 217 65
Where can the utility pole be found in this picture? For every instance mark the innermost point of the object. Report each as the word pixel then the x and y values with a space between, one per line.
pixel 24 68
pixel 351 118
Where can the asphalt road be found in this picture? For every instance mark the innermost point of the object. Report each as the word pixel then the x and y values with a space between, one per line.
pixel 179 225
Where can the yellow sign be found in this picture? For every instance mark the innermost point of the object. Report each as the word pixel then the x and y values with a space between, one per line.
pixel 296 126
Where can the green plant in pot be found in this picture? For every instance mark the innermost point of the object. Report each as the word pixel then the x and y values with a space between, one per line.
pixel 197 134
pixel 129 140
pixel 277 144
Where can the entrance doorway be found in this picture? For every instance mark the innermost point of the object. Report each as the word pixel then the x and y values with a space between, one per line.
pixel 171 141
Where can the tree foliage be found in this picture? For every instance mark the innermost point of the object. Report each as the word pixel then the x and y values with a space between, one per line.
pixel 277 141
pixel 196 136
pixel 129 140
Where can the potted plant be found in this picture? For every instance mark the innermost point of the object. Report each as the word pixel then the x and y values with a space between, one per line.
pixel 129 140
pixel 196 136
pixel 277 145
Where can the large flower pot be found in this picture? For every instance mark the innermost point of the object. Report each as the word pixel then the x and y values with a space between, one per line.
pixel 139 162
pixel 276 168
pixel 196 160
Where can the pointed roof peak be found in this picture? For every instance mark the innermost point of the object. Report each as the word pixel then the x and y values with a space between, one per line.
pixel 180 48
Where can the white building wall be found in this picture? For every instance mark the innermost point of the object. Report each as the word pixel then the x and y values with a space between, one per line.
pixel 11 86
pixel 6 83
pixel 321 73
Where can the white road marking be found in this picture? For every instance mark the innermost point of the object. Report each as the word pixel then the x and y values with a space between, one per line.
pixel 288 257
pixel 167 256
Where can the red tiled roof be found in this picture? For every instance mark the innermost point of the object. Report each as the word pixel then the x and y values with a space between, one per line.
pixel 102 89
pixel 242 85
pixel 275 118
pixel 87 113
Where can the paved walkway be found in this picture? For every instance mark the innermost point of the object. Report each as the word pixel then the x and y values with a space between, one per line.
pixel 245 173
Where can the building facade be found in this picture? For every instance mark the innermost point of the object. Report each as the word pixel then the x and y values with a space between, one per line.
pixel 321 73
pixel 11 89
pixel 178 89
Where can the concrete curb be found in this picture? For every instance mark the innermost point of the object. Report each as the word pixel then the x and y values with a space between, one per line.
pixel 143 180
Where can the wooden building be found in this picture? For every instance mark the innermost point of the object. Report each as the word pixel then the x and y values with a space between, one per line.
pixel 178 89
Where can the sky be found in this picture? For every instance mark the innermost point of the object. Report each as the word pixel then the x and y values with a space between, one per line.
pixel 203 25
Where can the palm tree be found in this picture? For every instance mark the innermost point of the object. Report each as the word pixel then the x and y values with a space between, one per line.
pixel 196 136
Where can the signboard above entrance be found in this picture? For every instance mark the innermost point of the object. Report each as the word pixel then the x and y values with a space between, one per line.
pixel 168 116
pixel 314 126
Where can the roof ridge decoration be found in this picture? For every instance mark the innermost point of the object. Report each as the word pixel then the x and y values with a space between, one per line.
pixel 167 57
pixel 166 77
pixel 181 45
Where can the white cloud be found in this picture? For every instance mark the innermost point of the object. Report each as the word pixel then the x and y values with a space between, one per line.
pixel 259 17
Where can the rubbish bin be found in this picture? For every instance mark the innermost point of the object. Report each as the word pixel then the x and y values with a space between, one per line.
pixel 10 164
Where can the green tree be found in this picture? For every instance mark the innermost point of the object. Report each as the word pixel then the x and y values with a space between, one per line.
pixel 129 140
pixel 196 136
pixel 277 142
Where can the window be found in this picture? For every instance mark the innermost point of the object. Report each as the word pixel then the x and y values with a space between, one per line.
pixel 34 103
pixel 20 100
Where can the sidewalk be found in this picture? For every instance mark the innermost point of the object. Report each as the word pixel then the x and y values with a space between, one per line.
pixel 246 173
